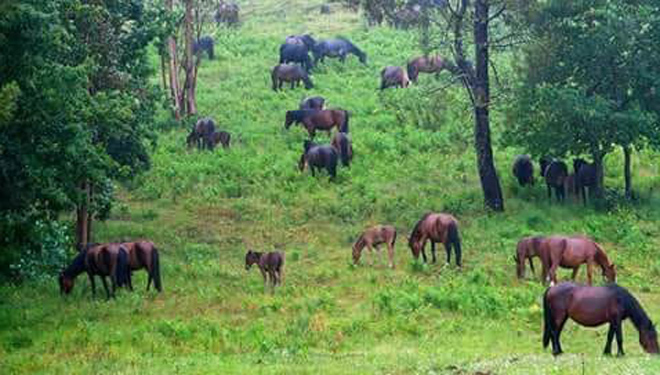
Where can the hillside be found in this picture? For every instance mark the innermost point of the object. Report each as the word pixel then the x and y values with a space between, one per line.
pixel 205 209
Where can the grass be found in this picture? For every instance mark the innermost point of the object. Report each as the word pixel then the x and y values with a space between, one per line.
pixel 205 209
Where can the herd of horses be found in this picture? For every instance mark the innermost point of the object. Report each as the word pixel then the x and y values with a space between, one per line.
pixel 586 305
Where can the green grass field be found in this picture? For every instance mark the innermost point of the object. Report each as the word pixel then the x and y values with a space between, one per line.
pixel 205 209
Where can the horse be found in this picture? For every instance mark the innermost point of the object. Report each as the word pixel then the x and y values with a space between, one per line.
pixel 314 120
pixel 220 137
pixel 204 44
pixel 586 175
pixel 290 73
pixel 296 53
pixel 227 13
pixel 201 133
pixel 306 40
pixel 144 254
pixel 436 227
pixel 571 252
pixel 374 237
pixel 102 260
pixel 393 76
pixel 555 172
pixel 314 102
pixel 270 264
pixel 338 47
pixel 423 64
pixel 523 170
pixel 319 156
pixel 527 248
pixel 592 306
pixel 342 143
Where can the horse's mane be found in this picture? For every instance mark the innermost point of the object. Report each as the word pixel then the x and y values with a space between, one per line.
pixel 77 266
pixel 360 240
pixel 415 231
pixel 632 308
pixel 354 49
pixel 601 257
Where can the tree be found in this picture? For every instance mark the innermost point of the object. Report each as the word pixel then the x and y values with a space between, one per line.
pixel 589 81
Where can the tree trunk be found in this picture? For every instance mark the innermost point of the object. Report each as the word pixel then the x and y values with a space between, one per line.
pixel 626 171
pixel 174 72
pixel 90 213
pixel 490 182
pixel 163 71
pixel 189 85
pixel 82 214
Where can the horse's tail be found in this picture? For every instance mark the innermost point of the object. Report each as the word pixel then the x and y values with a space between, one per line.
pixel 548 321
pixel 455 239
pixel 343 153
pixel 155 269
pixel 122 268
pixel 344 126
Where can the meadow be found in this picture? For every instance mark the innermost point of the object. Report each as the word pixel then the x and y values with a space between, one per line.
pixel 413 154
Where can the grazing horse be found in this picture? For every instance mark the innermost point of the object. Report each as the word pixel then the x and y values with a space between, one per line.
pixel 342 143
pixel 270 264
pixel 586 175
pixel 338 47
pixel 314 120
pixel 592 306
pixel 200 135
pixel 393 76
pixel 102 260
pixel 436 228
pixel 306 40
pixel 523 170
pixel 527 248
pixel 572 252
pixel 143 254
pixel 555 172
pixel 374 237
pixel 221 137
pixel 204 44
pixel 290 73
pixel 423 64
pixel 314 102
pixel 296 53
pixel 319 157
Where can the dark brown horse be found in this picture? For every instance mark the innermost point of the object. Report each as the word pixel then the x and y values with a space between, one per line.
pixel 527 248
pixel 314 102
pixel 200 135
pixel 143 254
pixel 374 237
pixel 594 306
pixel 523 170
pixel 220 137
pixel 293 74
pixel 586 176
pixel 572 252
pixel 342 143
pixel 270 264
pixel 436 228
pixel 555 172
pixel 393 76
pixel 98 260
pixel 314 120
pixel 422 64
pixel 319 157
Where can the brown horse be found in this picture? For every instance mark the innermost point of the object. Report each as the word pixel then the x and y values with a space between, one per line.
pixel 594 306
pixel 200 134
pixel 374 237
pixel 270 264
pixel 220 137
pixel 293 74
pixel 422 64
pixel 314 120
pixel 436 228
pixel 342 143
pixel 571 252
pixel 102 260
pixel 143 254
pixel 393 76
pixel 527 248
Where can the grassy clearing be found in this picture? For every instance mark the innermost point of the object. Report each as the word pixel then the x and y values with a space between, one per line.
pixel 206 209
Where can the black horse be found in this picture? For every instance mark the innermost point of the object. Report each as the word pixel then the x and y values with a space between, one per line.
pixel 586 175
pixel 319 157
pixel 98 260
pixel 338 47
pixel 523 170
pixel 204 44
pixel 296 53
pixel 555 172
pixel 342 143
pixel 314 102
pixel 305 39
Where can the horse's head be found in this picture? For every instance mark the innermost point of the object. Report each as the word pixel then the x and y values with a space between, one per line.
pixel 648 339
pixel 308 82
pixel 610 273
pixel 415 246
pixel 66 283
pixel 290 119
pixel 251 257
pixel 363 58
pixel 357 249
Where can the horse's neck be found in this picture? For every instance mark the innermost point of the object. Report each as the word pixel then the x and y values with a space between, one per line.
pixel 601 258
pixel 77 266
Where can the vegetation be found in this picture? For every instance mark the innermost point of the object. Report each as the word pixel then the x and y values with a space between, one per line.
pixel 413 153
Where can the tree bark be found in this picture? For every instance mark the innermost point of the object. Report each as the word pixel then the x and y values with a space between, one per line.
pixel 189 84
pixel 627 175
pixel 82 216
pixel 163 71
pixel 174 72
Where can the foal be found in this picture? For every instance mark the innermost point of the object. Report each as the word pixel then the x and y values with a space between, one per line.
pixel 270 264
pixel 374 237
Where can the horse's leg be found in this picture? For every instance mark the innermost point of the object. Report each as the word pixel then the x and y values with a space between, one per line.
pixel 549 192
pixel 265 276
pixel 390 254
pixel 149 279
pixel 619 338
pixel 433 252
pixel 552 273
pixel 560 327
pixel 105 286
pixel 371 255
pixel 575 272
pixel 423 239
pixel 610 337
pixel 531 265
pixel 91 282
pixel 589 272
